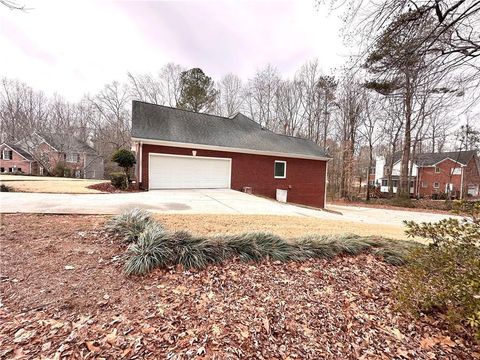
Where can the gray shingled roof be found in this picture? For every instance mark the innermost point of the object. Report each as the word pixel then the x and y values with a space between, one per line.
pixel 429 159
pixel 65 143
pixel 19 150
pixel 157 122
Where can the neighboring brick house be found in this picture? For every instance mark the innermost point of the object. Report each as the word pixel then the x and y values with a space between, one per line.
pixel 182 149
pixel 40 154
pixel 13 159
pixel 457 173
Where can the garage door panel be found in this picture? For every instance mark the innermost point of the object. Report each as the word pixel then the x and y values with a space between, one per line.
pixel 177 172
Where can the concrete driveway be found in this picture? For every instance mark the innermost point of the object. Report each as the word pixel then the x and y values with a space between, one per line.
pixel 203 201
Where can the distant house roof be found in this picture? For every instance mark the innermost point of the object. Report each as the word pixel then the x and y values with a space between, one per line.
pixel 157 122
pixel 59 142
pixel 66 143
pixel 20 151
pixel 430 159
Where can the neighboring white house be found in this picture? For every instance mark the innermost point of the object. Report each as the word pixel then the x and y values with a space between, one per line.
pixel 381 175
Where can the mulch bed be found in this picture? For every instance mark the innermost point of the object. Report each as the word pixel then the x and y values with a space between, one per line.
pixel 64 296
pixel 109 188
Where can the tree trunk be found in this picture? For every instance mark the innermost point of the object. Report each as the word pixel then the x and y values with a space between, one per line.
pixel 403 186
pixel 370 164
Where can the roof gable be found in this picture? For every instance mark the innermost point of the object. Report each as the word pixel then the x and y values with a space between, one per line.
pixel 25 154
pixel 432 159
pixel 157 122
pixel 57 142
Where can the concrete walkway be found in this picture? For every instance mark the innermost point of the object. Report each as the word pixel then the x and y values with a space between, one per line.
pixel 196 202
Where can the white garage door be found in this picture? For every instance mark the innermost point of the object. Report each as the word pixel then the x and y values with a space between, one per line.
pixel 188 172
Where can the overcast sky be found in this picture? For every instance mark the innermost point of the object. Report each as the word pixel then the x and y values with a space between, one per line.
pixel 76 46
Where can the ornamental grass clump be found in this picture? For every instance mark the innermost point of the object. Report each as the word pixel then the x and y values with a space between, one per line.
pixel 257 246
pixel 153 249
pixel 194 252
pixel 130 224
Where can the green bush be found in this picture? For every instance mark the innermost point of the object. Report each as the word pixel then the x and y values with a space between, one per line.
pixel 445 276
pixel 61 170
pixel 5 188
pixel 125 159
pixel 119 180
pixel 131 223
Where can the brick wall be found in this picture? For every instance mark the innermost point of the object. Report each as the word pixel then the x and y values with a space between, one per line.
pixel 305 180
pixel 428 177
pixel 17 160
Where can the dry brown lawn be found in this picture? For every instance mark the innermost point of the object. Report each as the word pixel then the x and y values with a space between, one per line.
pixel 45 184
pixel 288 226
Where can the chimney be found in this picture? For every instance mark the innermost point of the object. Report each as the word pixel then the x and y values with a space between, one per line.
pixel 379 168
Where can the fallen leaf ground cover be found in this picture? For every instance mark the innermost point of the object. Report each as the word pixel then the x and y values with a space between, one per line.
pixel 64 295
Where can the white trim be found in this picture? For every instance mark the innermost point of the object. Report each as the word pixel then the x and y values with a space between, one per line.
pixel 284 169
pixel 325 187
pixel 191 157
pixel 44 141
pixel 447 158
pixel 228 149
pixel 140 152
pixel 15 151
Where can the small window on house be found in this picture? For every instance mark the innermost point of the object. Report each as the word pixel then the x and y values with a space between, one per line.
pixel 395 183
pixel 7 154
pixel 2 169
pixel 456 171
pixel 280 169
pixel 437 169
pixel 436 185
pixel 10 169
pixel 384 182
pixel 73 157
pixel 19 169
pixel 411 183
pixel 424 184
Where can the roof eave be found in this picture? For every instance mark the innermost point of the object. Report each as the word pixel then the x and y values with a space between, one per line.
pixel 228 149
pixel 27 159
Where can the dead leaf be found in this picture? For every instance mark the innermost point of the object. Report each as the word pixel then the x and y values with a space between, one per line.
pixel 91 347
pixel 428 342
pixel 112 337
pixel 397 334
pixel 216 329
pixel 22 336
pixel 266 325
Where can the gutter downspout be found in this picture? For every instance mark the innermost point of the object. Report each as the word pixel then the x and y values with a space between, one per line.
pixel 461 183
pixel 325 186
pixel 140 155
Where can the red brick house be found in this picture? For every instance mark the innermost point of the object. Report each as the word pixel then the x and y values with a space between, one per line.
pixel 40 155
pixel 14 159
pixel 182 149
pixel 433 174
